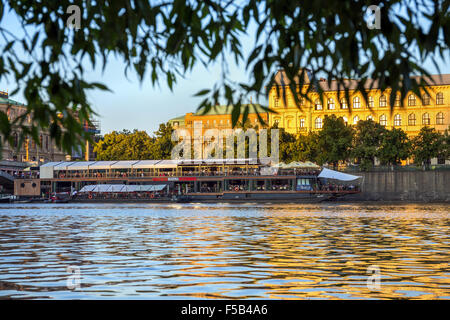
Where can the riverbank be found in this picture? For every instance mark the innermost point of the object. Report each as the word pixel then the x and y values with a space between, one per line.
pixel 414 186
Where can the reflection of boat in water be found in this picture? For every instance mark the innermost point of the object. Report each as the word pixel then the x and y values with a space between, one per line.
pixel 6 198
pixel 205 180
pixel 61 197
pixel 182 199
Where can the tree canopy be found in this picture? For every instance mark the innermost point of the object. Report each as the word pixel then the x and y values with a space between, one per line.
pixel 395 147
pixel 426 145
pixel 367 142
pixel 136 145
pixel 162 41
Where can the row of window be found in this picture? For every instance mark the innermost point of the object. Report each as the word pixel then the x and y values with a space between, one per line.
pixel 412 101
pixel 412 121
pixel 44 146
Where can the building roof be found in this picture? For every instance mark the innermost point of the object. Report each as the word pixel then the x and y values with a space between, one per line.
pixel 282 80
pixel 4 100
pixel 227 109
pixel 181 118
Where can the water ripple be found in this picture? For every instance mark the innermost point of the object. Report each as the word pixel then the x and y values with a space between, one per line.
pixel 231 251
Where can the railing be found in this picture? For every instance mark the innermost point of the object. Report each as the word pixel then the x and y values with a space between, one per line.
pixel 179 174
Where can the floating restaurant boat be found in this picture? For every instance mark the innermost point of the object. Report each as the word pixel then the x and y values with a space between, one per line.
pixel 194 180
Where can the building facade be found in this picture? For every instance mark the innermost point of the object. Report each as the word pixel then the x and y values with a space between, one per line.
pixel 45 150
pixel 432 108
pixel 30 150
pixel 219 117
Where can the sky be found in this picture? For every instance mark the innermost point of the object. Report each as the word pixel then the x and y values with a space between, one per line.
pixel 135 105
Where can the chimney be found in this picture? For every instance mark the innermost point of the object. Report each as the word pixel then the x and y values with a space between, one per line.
pixel 4 94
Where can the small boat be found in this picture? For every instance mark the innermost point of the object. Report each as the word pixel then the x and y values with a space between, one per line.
pixel 6 198
pixel 182 199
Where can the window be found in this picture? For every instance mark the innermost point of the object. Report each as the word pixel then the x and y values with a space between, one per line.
pixel 345 119
pixel 344 104
pixel 355 120
pixel 276 102
pixel 397 120
pixel 383 101
pixel 440 118
pixel 411 100
pixel 277 120
pixel 356 103
pixel 318 123
pixel 221 121
pixel 318 104
pixel 302 122
pixel 369 118
pixel 426 118
pixel 371 102
pixel 412 119
pixel 425 99
pixel 397 101
pixel 46 142
pixel 16 140
pixel 383 120
pixel 440 98
pixel 331 104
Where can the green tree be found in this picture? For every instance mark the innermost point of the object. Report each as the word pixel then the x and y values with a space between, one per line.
pixel 287 140
pixel 445 150
pixel 125 145
pixel 395 146
pixel 426 145
pixel 334 141
pixel 163 143
pixel 306 147
pixel 164 40
pixel 367 141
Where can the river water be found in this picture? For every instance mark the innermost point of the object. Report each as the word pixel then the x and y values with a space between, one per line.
pixel 229 251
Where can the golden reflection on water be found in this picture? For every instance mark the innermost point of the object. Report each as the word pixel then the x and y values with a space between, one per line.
pixel 279 251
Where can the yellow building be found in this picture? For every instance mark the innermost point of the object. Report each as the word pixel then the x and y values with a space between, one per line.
pixel 432 110
pixel 219 117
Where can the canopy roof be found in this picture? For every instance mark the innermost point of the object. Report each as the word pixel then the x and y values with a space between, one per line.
pixel 62 165
pixel 331 174
pixel 124 164
pixel 80 165
pixel 51 164
pixel 100 188
pixel 296 164
pixel 102 165
pixel 143 164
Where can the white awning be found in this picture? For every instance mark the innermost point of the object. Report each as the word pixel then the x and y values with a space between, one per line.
pixel 122 188
pixel 80 165
pixel 63 165
pixel 167 164
pixel 145 164
pixel 331 174
pixel 50 164
pixel 128 164
pixel 102 165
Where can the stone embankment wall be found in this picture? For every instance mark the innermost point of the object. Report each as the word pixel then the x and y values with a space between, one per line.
pixel 419 186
